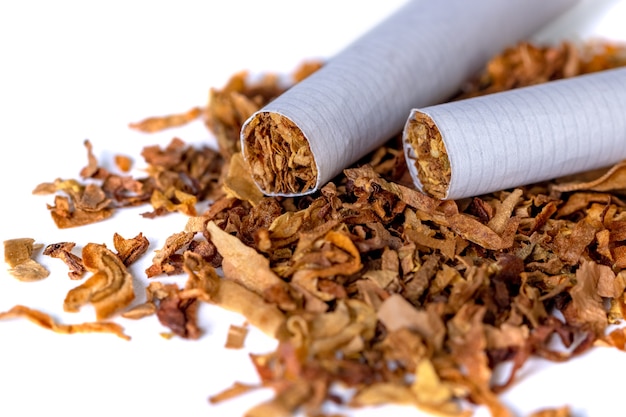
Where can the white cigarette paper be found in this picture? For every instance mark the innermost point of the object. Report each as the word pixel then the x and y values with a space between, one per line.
pixel 419 56
pixel 519 137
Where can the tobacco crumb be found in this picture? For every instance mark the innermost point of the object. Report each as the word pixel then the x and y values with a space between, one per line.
pixel 431 161
pixel 236 337
pixel 279 155
pixel 123 162
pixel 109 289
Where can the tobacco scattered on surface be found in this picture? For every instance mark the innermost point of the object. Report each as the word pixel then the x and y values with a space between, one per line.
pixel 369 283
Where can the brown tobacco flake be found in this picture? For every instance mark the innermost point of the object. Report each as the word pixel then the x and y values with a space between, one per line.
pixel 564 411
pixel 247 267
pixel 46 321
pixel 179 315
pixel 156 124
pixel 229 107
pixel 613 179
pixel 236 337
pixel 18 255
pixel 205 284
pixel 66 216
pixel 238 182
pixel 129 250
pixel 168 260
pixel 279 155
pixel 63 251
pixel 110 287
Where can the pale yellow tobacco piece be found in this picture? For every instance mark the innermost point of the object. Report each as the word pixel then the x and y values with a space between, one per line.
pixel 18 255
pixel 262 315
pixel 206 285
pixel 238 182
pixel 109 289
pixel 278 154
pixel 243 264
pixel 432 162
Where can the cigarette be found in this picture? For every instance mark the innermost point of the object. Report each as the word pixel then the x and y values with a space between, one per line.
pixel 518 137
pixel 419 56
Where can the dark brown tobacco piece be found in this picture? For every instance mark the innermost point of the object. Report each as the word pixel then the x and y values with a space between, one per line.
pixel 18 255
pixel 63 251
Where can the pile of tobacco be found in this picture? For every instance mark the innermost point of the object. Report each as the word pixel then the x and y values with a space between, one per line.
pixel 367 284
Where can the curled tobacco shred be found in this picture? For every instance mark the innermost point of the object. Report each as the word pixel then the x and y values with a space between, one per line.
pixel 46 321
pixel 110 287
pixel 156 124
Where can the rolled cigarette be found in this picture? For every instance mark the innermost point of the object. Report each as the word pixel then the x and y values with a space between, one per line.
pixel 419 56
pixel 518 137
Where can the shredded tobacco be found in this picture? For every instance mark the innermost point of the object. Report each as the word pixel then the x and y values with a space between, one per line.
pixel 279 155
pixel 368 284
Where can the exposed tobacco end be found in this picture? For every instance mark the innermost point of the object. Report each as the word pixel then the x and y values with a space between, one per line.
pixel 278 155
pixel 431 157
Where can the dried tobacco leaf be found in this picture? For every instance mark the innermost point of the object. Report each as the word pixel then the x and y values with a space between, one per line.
pixel 129 250
pixel 63 251
pixel 123 162
pixel 18 255
pixel 238 182
pixel 167 260
pixel 245 266
pixel 156 124
pixel 209 287
pixel 613 179
pixel 236 337
pixel 179 314
pixel 564 411
pixel 110 287
pixel 46 321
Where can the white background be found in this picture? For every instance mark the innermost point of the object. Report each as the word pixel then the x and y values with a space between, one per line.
pixel 71 71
